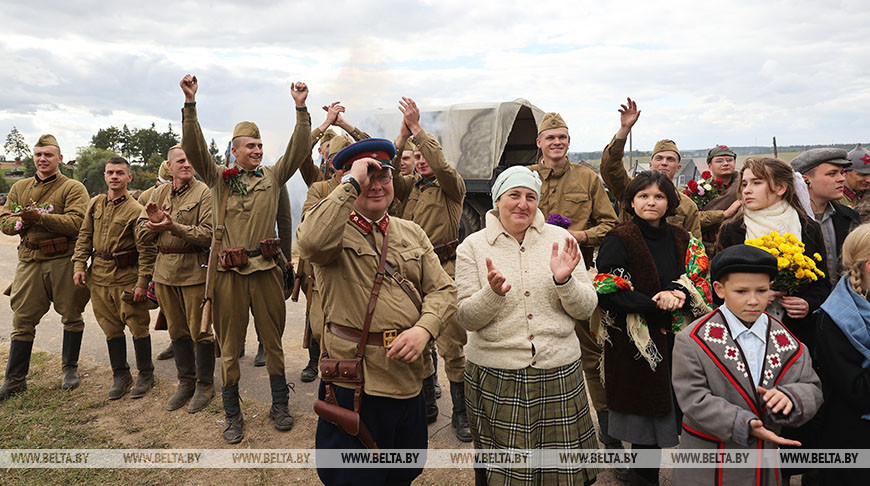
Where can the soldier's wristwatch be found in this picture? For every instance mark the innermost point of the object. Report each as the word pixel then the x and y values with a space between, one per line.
pixel 349 178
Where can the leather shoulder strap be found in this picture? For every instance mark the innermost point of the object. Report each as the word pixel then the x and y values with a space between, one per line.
pixel 376 289
pixel 399 279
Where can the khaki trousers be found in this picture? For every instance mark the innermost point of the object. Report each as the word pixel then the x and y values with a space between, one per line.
pixel 590 358
pixel 451 346
pixel 261 293
pixel 181 306
pixel 113 313
pixel 35 287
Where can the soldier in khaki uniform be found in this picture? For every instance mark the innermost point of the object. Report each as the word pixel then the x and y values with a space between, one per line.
pixel 342 236
pixel 251 281
pixel 665 158
pixel 44 269
pixel 164 175
pixel 721 162
pixel 575 192
pixel 121 262
pixel 856 189
pixel 177 219
pixel 433 199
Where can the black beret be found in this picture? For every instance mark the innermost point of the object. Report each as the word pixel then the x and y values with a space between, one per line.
pixel 742 258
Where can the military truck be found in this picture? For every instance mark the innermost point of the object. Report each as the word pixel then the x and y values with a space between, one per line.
pixel 480 140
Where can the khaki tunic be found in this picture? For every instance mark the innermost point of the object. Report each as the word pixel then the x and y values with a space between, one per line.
pixel 310 172
pixel 110 226
pixel 41 280
pixel 712 214
pixel 857 198
pixel 179 278
pixel 616 179
pixel 575 192
pixel 345 267
pixel 436 206
pixel 256 287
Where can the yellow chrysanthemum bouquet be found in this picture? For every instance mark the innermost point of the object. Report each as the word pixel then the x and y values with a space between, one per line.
pixel 795 268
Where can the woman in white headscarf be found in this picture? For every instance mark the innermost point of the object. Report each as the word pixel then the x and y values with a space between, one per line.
pixel 521 286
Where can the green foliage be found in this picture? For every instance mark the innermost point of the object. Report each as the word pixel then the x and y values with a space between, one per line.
pixel 16 145
pixel 215 153
pixel 4 185
pixel 136 145
pixel 29 166
pixel 146 175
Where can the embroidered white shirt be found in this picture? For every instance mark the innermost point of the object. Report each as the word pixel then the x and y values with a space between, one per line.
pixel 752 340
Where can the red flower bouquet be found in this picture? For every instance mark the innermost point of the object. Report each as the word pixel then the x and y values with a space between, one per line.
pixel 705 190
pixel 233 177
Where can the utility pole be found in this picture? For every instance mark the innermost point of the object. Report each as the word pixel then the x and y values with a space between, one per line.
pixel 775 152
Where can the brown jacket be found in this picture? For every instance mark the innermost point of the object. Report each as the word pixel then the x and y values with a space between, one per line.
pixel 250 218
pixel 345 266
pixel 434 204
pixel 616 179
pixel 191 231
pixel 576 193
pixel 110 227
pixel 70 200
pixel 713 214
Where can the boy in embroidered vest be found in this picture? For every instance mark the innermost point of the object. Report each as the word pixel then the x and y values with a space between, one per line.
pixel 739 375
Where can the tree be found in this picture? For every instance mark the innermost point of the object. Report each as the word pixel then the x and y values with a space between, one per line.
pixel 215 153
pixel 16 145
pixel 4 185
pixel 107 139
pixel 90 165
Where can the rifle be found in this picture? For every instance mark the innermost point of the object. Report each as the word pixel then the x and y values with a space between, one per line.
pixel 216 239
pixel 297 281
pixel 306 335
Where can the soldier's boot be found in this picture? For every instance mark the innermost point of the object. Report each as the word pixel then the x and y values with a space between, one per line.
pixel 309 373
pixel 72 345
pixel 459 420
pixel 280 412
pixel 435 365
pixel 122 380
pixel 429 399
pixel 204 377
pixel 145 378
pixel 185 365
pixel 260 358
pixel 235 429
pixel 16 369
pixel 167 353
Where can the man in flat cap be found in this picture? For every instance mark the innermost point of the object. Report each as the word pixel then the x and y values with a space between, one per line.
pixel 345 236
pixel 122 265
pixel 433 199
pixel 249 279
pixel 721 163
pixel 575 192
pixel 164 175
pixel 44 269
pixel 856 190
pixel 178 219
pixel 822 170
pixel 665 158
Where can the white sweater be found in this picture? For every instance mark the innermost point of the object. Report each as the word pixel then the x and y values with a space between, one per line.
pixel 535 310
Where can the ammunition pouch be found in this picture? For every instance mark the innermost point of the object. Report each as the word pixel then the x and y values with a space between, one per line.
pixel 270 247
pixel 53 246
pixel 446 251
pixel 233 257
pixel 125 258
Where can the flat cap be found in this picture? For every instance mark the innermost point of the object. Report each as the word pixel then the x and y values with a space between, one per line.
pixel 860 159
pixel 47 140
pixel 379 149
pixel 551 120
pixel 719 151
pixel 246 129
pixel 742 259
pixel 666 145
pixel 814 157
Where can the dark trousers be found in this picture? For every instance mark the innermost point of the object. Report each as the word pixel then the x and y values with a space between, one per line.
pixel 394 424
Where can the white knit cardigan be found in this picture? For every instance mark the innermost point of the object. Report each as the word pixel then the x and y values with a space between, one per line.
pixel 535 310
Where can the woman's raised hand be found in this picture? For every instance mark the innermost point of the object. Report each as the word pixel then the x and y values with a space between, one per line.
pixel 563 263
pixel 497 281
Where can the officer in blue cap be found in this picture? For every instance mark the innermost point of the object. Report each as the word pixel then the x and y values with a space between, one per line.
pixel 344 236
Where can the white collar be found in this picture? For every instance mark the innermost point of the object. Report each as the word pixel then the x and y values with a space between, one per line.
pixel 758 328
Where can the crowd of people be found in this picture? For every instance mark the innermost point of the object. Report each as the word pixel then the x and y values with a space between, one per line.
pixel 680 338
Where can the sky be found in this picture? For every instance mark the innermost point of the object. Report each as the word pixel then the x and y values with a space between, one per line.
pixel 703 73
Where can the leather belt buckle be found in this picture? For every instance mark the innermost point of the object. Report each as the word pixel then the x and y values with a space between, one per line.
pixel 389 337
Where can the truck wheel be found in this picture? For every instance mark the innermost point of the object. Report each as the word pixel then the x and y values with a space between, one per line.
pixel 471 221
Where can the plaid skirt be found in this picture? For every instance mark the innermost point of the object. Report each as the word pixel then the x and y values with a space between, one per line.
pixel 530 409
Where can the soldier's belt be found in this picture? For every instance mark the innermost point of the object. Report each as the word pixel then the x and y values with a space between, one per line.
pixel 352 334
pixel 48 246
pixel 122 258
pixel 181 249
pixel 446 251
pixel 238 257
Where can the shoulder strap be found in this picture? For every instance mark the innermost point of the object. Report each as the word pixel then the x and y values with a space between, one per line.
pixel 222 214
pixel 399 279
pixel 376 289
